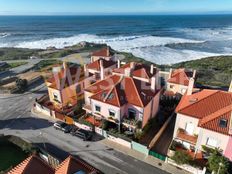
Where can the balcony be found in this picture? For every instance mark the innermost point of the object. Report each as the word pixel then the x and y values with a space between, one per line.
pixel 87 108
pixel 184 136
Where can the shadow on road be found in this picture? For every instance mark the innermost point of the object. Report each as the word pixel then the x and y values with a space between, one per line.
pixel 25 123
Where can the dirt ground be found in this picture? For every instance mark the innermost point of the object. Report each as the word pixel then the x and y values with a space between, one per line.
pixel 28 76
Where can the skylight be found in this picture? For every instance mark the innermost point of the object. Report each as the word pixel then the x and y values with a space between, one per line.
pixel 223 123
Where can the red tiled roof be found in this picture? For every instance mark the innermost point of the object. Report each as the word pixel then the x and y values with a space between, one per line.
pixel 66 77
pixel 104 52
pixel 96 64
pixel 208 106
pixel 180 76
pixel 72 165
pixel 140 70
pixel 123 90
pixel 32 165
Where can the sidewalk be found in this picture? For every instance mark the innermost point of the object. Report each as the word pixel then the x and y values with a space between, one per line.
pixel 147 159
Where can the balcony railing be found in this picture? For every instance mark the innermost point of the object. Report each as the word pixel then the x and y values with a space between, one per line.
pixel 185 136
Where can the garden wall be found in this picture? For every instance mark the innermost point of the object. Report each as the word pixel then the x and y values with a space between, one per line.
pixel 187 167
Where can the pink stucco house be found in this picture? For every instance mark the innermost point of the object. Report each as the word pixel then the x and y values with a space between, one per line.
pixel 179 79
pixel 205 118
pixel 120 98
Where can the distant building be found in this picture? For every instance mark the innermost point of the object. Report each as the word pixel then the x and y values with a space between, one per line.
pixel 35 165
pixel 205 118
pixel 104 53
pixel 179 80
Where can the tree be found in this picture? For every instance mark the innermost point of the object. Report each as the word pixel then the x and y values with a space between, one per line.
pixel 182 157
pixel 21 84
pixel 216 161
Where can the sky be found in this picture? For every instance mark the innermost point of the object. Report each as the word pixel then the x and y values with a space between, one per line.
pixel 99 7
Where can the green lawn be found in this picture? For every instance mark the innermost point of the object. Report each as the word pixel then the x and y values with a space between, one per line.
pixel 10 155
pixel 43 64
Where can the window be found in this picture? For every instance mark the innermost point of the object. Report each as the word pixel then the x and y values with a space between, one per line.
pixel 223 123
pixel 78 89
pixel 55 97
pixel 211 142
pixel 131 113
pixel 97 108
pixel 189 128
pixel 171 86
pixel 111 113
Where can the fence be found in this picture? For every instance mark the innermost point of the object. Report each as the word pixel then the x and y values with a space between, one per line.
pixel 157 155
pixel 139 147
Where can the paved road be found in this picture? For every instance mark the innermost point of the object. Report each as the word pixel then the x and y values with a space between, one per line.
pixel 16 119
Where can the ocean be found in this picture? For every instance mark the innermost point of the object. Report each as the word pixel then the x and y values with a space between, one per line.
pixel 160 39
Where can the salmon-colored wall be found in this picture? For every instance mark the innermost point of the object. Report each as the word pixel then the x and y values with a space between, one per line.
pixel 177 88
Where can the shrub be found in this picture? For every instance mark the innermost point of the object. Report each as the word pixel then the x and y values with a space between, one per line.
pixel 216 160
pixel 182 157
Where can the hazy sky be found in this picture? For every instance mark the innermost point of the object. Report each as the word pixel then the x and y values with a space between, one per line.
pixel 52 7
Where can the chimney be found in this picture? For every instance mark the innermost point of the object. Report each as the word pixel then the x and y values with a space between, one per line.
pixel 190 86
pixel 230 125
pixel 86 71
pixel 101 69
pixel 119 63
pixel 170 73
pixel 108 51
pixel 153 83
pixel 65 65
pixel 230 88
pixel 194 73
pixel 132 65
pixel 128 72
pixel 152 69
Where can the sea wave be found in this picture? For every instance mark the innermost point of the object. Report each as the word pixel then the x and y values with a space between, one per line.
pixel 121 43
pixel 2 35
pixel 208 33
pixel 152 48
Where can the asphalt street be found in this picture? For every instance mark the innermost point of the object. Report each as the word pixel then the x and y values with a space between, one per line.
pixel 16 119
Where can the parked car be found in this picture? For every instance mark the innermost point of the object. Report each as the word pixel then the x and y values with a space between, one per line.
pixel 83 134
pixel 59 125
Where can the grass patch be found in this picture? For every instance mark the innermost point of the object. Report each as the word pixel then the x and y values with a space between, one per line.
pixel 46 64
pixel 10 154
pixel 212 71
pixel 16 64
pixel 17 53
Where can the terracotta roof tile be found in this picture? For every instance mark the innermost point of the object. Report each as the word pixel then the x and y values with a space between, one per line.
pixel 180 76
pixel 72 165
pixel 105 52
pixel 66 77
pixel 208 106
pixel 124 90
pixel 96 64
pixel 140 70
pixel 32 165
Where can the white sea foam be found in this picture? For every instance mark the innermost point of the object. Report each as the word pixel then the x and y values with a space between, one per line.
pixel 208 33
pixel 148 47
pixel 121 43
